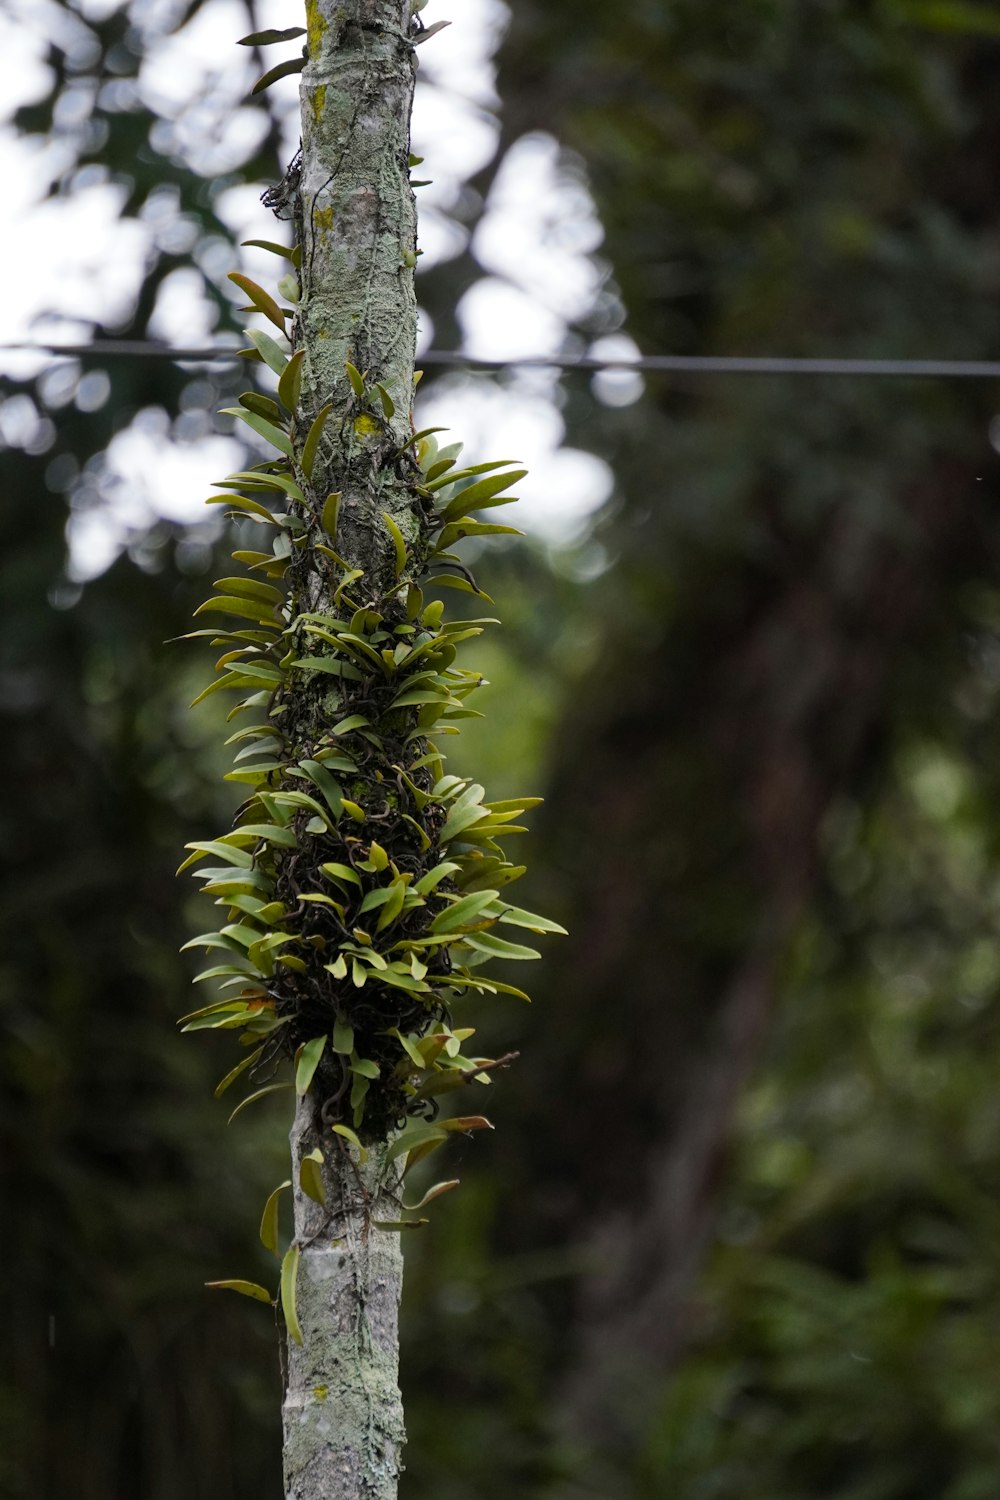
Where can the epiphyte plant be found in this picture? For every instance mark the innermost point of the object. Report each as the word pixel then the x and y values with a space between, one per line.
pixel 362 889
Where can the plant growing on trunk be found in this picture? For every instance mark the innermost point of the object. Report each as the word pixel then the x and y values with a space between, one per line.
pixel 361 887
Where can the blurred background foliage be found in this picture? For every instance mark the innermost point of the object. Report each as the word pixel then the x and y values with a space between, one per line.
pixel 738 1234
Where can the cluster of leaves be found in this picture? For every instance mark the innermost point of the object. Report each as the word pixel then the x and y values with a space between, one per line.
pixel 360 884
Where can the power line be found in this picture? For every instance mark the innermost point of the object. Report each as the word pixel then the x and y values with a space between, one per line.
pixel 649 364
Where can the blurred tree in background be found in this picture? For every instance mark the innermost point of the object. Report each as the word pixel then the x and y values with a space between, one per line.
pixel 738 1234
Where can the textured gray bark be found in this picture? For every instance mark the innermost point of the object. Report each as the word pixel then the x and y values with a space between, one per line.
pixel 343 1416
pixel 358 252
pixel 343 1421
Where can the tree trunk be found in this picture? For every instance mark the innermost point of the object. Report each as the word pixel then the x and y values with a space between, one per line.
pixel 343 1421
pixel 342 1413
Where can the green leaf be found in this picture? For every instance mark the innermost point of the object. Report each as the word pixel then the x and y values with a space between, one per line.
pixel 313 436
pixel 409 1139
pixel 269 1219
pixel 262 301
pixel 469 473
pixel 456 581
pixel 271 1088
pixel 343 1037
pixel 256 478
pixel 365 1068
pixel 341 872
pixel 274 833
pixel 267 430
pixel 231 853
pixel 359 1090
pixel 266 39
pixel 461 818
pixel 353 721
pixel 398 541
pixel 289 1278
pixel 311 1176
pixel 308 1062
pixel 392 908
pixel 240 502
pixel 245 608
pixel 330 665
pixel 433 878
pixel 478 496
pixel 463 911
pixel 402 981
pixel 275 249
pixel 388 405
pixel 356 378
pixel 262 405
pixel 283 70
pixel 417 696
pixel 251 588
pixel 409 1047
pixel 350 1135
pixel 497 947
pixel 271 353
pixel 416 437
pixel 518 918
pixel 290 382
pixel 375 898
pixel 325 781
pixel 245 1288
pixel 234 1073
pixel 432 1193
pixel 331 512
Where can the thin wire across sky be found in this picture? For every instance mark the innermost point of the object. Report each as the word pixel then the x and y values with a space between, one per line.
pixel 650 364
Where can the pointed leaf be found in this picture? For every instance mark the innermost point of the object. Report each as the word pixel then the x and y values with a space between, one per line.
pixel 271 1088
pixel 432 1193
pixel 331 513
pixel 262 301
pixel 293 65
pixel 350 1135
pixel 429 31
pixel 266 39
pixel 289 1278
pixel 477 495
pixel 311 1176
pixel 234 1073
pixel 410 1139
pixel 245 1288
pixel 311 444
pixel 388 405
pixel 463 911
pixel 267 430
pixel 398 541
pixel 308 1062
pixel 290 382
pixel 271 353
pixel 269 1219
pixel 275 249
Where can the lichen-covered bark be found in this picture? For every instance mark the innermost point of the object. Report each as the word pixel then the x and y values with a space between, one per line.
pixel 343 1416
pixel 343 1421
pixel 358 253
